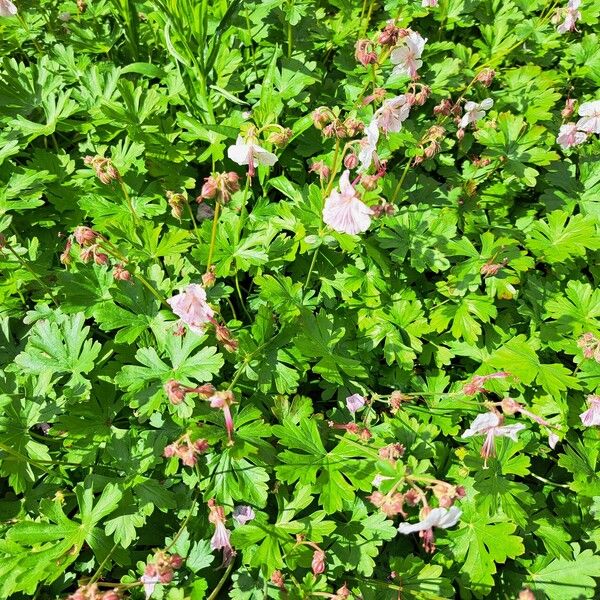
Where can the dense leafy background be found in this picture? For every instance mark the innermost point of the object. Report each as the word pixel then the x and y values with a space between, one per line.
pixel 162 88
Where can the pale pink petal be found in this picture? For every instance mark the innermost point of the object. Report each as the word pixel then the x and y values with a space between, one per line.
pixel 509 431
pixel 240 152
pixel 355 402
pixel 243 514
pixel 7 8
pixel 481 424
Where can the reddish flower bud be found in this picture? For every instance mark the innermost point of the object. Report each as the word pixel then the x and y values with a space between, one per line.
pixel 209 278
pixel 111 595
pixel 220 186
pixel 364 53
pixel 166 576
pixel 369 182
pixel 486 77
pixel 277 579
pixel 65 257
pixel 422 96
pixel 569 108
pixel 281 138
pixel 352 127
pixel 526 594
pixel 390 34
pixel 201 446
pixel 100 258
pixel 318 562
pixel 460 134
pixel 321 169
pixel 443 108
pixel 175 392
pixel 170 450
pixel 84 235
pixel 321 116
pixel 351 161
pixel 120 273
pixel 176 561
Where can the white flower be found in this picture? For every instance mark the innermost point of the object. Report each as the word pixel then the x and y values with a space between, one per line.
pixel 247 152
pixel 149 582
pixel 391 114
pixel 552 440
pixel 572 15
pixel 590 117
pixel 490 425
pixel 592 415
pixel 344 211
pixel 568 136
pixel 475 111
pixel 7 8
pixel 438 517
pixel 355 402
pixel 368 150
pixel 431 3
pixel 408 58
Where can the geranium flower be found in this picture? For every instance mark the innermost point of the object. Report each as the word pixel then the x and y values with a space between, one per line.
pixel 248 152
pixel 490 425
pixel 220 538
pixel 191 307
pixel 7 8
pixel 243 514
pixel 344 211
pixel 407 58
pixel 592 415
pixel 368 145
pixel 392 113
pixel 590 117
pixel 430 3
pixel 224 400
pixel 572 15
pixel 475 111
pixel 568 136
pixel 355 402
pixel 438 517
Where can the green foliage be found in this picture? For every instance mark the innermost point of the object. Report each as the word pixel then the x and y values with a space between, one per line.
pixel 131 431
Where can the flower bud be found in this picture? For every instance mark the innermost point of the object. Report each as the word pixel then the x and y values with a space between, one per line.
pixel 170 451
pixel 224 336
pixel 351 161
pixel 390 34
pixel 176 561
pixel 65 257
pixel 460 134
pixel 282 137
pixel 411 99
pixel 277 579
pixel 352 127
pixel 364 53
pixel 84 235
pixel 343 593
pixel 526 594
pixel 510 406
pixel 443 108
pixel 176 201
pixel 100 258
pixel 321 169
pixel 486 77
pixel 318 562
pixel 432 150
pixel 321 116
pixel 175 392
pixel 201 446
pixel 220 186
pixel 418 160
pixel 120 273
pixel 81 6
pixel 166 576
pixel 569 108
pixel 209 278
pixel 111 595
pixel 369 182
pixel 422 96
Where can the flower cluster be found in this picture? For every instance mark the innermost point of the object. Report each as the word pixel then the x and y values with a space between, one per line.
pixel 186 450
pixel 160 570
pixel 566 18
pixel 573 134
pixel 590 345
pixel 104 168
pixel 92 592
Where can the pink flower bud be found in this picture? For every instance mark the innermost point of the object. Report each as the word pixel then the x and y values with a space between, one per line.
pixel 84 235
pixel 321 169
pixel 486 77
pixel 569 108
pixel 209 278
pixel 277 579
pixel 318 562
pixel 321 116
pixel 390 34
pixel 111 595
pixel 351 161
pixel 443 108
pixel 460 134
pixel 526 594
pixel 65 257
pixel 100 258
pixel 176 561
pixel 422 96
pixel 364 53
pixel 120 273
pixel 175 392
pixel 166 576
pixel 170 451
pixel 369 182
pixel 282 137
pixel 201 446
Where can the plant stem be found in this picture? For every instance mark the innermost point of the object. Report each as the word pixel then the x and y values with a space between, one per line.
pixel 312 265
pixel 221 583
pixel 194 223
pixel 98 572
pixel 399 185
pixel 334 168
pixel 213 236
pixel 129 203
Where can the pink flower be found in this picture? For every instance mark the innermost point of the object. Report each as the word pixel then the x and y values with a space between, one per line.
pixel 7 8
pixel 220 538
pixel 475 386
pixel 438 517
pixel 391 114
pixel 243 514
pixel 355 402
pixel 490 425
pixel 224 400
pixel 368 146
pixel 191 307
pixel 408 58
pixel 590 345
pixel 571 15
pixel 568 136
pixel 430 3
pixel 249 153
pixel 474 111
pixel 590 117
pixel 149 579
pixel 344 211
pixel 592 415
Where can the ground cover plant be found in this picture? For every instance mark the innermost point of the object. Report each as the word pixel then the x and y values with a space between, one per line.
pixel 299 299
